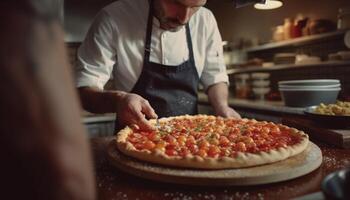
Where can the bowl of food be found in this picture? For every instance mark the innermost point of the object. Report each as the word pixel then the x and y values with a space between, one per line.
pixel 330 115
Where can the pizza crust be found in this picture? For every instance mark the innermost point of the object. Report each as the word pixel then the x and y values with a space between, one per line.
pixel 194 161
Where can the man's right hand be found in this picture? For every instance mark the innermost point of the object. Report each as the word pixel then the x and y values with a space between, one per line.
pixel 130 108
pixel 133 109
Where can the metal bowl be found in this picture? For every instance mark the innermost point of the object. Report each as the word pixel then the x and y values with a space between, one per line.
pixel 330 121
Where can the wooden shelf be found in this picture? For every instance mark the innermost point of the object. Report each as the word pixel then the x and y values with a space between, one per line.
pixel 290 66
pixel 297 41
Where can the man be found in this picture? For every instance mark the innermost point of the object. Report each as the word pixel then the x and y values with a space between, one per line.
pixel 157 51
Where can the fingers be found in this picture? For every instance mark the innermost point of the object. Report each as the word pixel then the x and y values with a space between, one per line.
pixel 148 110
pixel 228 112
pixel 142 123
pixel 236 115
pixel 135 111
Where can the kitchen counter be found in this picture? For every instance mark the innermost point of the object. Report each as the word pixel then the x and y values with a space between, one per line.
pixel 95 118
pixel 267 106
pixel 98 125
pixel 112 183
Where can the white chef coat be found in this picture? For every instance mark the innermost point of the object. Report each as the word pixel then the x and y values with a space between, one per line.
pixel 114 46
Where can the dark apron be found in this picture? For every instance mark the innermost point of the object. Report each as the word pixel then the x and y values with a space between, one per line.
pixel 171 90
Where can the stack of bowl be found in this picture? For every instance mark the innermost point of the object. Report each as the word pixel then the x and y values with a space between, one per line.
pixel 261 85
pixel 304 93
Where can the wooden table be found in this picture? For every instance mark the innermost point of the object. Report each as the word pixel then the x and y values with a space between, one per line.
pixel 114 184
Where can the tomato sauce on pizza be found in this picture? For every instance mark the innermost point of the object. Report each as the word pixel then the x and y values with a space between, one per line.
pixel 203 141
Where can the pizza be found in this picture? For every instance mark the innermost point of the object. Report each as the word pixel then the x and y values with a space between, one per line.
pixel 209 142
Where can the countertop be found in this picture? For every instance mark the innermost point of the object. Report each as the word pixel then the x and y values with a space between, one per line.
pixel 271 106
pixel 96 118
pixel 112 183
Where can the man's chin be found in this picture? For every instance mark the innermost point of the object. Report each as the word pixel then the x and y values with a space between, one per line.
pixel 171 28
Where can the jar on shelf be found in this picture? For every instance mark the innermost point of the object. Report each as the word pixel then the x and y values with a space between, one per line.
pixel 287 28
pixel 278 33
pixel 298 25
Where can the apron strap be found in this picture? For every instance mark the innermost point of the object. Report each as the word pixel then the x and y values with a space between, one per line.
pixel 189 44
pixel 148 33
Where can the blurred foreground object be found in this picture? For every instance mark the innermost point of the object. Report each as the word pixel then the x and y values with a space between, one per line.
pixel 43 147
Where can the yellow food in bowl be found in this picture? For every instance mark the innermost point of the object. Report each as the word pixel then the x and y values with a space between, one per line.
pixel 340 108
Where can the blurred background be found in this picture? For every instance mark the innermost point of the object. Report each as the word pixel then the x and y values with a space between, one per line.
pixel 290 40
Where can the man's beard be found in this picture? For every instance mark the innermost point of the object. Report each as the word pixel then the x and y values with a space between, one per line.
pixel 172 25
pixel 166 23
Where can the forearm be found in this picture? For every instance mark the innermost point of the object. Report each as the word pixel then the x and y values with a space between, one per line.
pixel 97 101
pixel 218 95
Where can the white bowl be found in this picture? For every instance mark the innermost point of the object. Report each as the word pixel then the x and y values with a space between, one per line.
pixel 260 93
pixel 264 90
pixel 260 75
pixel 309 82
pixel 309 87
pixel 261 83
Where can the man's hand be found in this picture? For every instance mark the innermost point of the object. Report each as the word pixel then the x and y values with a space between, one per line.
pixel 226 111
pixel 133 109
pixel 218 96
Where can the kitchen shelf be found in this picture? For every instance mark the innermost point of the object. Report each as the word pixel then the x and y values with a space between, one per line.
pixel 298 41
pixel 286 66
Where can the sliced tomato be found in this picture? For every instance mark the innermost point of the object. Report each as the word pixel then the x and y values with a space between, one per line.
pixel 184 152
pixel 224 141
pixel 213 151
pixel 170 139
pixel 171 152
pixel 202 153
pixel 149 145
pixel 193 148
pixel 153 136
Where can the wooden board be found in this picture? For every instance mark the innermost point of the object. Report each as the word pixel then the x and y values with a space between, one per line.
pixel 339 138
pixel 296 166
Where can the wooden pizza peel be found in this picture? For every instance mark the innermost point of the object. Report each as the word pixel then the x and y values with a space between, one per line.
pixel 293 167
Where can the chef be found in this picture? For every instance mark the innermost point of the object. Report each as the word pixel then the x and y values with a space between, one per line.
pixel 157 51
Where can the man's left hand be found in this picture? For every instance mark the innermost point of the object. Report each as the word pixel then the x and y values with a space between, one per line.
pixel 226 111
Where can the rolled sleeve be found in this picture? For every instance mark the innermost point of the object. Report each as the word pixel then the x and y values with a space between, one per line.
pixel 97 55
pixel 214 66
